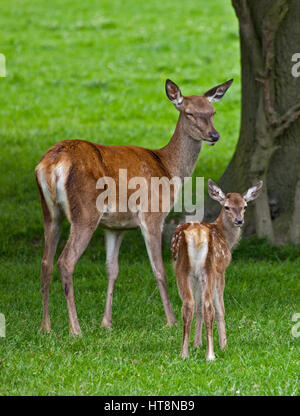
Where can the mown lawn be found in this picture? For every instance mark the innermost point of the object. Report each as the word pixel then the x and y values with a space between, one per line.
pixel 96 70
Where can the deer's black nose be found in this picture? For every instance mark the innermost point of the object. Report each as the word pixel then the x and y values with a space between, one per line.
pixel 238 222
pixel 214 136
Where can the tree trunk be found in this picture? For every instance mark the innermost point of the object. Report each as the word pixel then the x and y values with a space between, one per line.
pixel 269 143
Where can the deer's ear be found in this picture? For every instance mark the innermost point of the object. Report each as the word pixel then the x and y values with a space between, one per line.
pixel 173 93
pixel 253 192
pixel 216 93
pixel 215 192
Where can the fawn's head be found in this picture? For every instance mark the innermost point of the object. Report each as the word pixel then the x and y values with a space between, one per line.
pixel 234 204
pixel 196 111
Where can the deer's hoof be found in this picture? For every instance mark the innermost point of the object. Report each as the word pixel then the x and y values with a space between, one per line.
pixel 172 322
pixel 106 324
pixel 45 327
pixel 210 357
pixel 184 354
pixel 75 332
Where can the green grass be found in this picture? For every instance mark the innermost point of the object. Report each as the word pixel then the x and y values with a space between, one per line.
pixel 96 70
pixel 141 355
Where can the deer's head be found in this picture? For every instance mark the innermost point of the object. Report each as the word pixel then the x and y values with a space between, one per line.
pixel 196 111
pixel 234 204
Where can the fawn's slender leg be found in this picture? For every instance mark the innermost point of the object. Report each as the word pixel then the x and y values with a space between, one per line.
pixel 199 320
pixel 220 313
pixel 187 317
pixel 208 319
pixel 113 241
pixel 79 238
pixel 152 235
pixel 182 271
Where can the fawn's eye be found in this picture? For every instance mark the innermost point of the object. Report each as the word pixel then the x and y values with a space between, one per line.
pixel 227 208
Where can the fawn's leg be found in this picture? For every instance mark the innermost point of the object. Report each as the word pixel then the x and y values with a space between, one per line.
pixel 187 317
pixel 208 319
pixel 182 272
pixel 79 238
pixel 199 320
pixel 152 235
pixel 113 241
pixel 220 313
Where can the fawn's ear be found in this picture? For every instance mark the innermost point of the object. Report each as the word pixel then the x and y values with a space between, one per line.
pixel 253 192
pixel 173 93
pixel 216 93
pixel 215 192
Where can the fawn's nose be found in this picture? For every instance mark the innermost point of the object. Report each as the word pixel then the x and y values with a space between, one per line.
pixel 238 221
pixel 214 136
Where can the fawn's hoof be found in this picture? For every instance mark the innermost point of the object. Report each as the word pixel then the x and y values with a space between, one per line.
pixel 106 323
pixel 172 321
pixel 75 332
pixel 223 346
pixel 45 327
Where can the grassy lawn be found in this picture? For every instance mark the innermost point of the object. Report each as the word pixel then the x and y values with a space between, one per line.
pixel 96 70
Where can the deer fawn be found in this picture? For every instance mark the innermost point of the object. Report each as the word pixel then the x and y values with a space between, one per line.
pixel 201 254
pixel 67 176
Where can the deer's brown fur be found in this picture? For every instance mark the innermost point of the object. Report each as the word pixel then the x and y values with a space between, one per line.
pixel 67 176
pixel 201 254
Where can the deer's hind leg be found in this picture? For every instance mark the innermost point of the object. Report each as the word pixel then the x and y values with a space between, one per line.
pixel 187 318
pixel 79 238
pixel 199 312
pixel 209 313
pixel 52 230
pixel 220 311
pixel 187 312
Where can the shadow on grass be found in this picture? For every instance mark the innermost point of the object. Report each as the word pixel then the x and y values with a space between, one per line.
pixel 260 250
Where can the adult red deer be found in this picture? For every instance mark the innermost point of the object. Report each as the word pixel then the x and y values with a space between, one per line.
pixel 201 254
pixel 67 176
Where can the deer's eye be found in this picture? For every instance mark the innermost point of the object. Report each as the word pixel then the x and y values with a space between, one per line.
pixel 227 208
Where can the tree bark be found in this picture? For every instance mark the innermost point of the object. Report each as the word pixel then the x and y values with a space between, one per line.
pixel 269 142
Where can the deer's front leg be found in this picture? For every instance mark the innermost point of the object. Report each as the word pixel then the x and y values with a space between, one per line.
pixel 113 241
pixel 152 235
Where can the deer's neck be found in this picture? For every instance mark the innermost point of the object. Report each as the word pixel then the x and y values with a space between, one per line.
pixel 231 233
pixel 181 153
